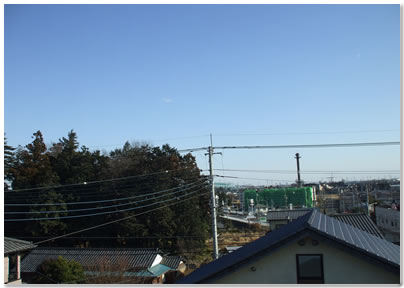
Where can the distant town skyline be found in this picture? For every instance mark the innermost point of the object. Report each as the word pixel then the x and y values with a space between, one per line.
pixel 248 74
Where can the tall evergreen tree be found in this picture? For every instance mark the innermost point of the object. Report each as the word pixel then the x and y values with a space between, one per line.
pixel 8 162
pixel 32 167
pixel 76 166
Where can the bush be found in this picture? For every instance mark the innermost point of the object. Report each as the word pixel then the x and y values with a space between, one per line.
pixel 59 271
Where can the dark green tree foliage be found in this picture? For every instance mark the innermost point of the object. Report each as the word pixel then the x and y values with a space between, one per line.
pixel 8 162
pixel 8 156
pixel 190 218
pixel 59 271
pixel 48 228
pixel 66 160
pixel 32 167
pixel 76 166
pixel 137 169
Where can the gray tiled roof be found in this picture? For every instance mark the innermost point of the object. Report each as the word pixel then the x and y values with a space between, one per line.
pixel 89 257
pixel 12 245
pixel 348 236
pixel 284 214
pixel 360 221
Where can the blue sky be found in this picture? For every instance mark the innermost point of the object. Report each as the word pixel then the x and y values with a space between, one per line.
pixel 300 74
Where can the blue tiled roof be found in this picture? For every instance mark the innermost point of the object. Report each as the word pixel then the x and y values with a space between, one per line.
pixel 159 269
pixel 314 221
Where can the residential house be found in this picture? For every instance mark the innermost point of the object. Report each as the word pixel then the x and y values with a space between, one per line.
pixel 13 250
pixel 312 249
pixel 129 263
pixel 278 218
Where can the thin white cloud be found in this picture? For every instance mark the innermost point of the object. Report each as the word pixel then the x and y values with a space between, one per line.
pixel 167 100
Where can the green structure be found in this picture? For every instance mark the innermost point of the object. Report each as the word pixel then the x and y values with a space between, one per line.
pixel 281 197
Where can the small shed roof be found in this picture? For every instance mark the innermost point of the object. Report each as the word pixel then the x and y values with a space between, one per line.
pixel 12 245
pixel 232 248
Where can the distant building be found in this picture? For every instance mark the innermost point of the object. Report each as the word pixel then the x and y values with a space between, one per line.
pixel 299 197
pixel 313 249
pixel 331 204
pixel 279 218
pixel 388 221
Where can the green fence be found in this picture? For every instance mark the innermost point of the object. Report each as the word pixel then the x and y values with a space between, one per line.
pixel 280 197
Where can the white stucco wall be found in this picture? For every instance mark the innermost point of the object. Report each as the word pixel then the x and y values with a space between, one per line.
pixel 16 282
pixel 279 267
pixel 5 269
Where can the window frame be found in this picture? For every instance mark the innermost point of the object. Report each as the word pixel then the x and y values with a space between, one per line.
pixel 300 278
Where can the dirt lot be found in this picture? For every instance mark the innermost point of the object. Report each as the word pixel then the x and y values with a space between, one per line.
pixel 229 237
pixel 237 238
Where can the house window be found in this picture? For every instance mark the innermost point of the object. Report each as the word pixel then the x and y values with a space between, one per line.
pixel 309 269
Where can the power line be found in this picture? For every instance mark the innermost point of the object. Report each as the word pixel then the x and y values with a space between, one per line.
pixel 123 237
pixel 104 207
pixel 312 145
pixel 257 134
pixel 111 222
pixel 306 133
pixel 297 146
pixel 95 214
pixel 158 140
pixel 312 171
pixel 193 149
pixel 99 201
pixel 90 192
pixel 98 181
pixel 259 179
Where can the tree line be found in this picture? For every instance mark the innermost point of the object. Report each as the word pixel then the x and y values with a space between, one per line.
pixel 160 193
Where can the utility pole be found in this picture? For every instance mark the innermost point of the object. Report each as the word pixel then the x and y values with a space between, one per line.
pixel 213 201
pixel 299 184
